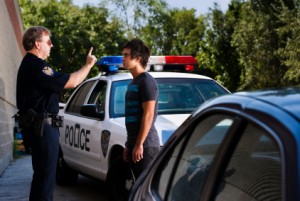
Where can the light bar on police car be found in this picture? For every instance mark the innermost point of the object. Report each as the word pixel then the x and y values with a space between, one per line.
pixel 111 64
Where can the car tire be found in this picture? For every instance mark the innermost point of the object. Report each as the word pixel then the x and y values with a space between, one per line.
pixel 118 174
pixel 65 176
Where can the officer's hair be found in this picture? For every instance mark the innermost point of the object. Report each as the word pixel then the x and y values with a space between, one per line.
pixel 32 35
pixel 138 49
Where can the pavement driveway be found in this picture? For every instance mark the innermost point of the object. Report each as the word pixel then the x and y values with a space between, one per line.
pixel 16 179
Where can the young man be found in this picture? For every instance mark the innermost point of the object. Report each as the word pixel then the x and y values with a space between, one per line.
pixel 140 108
pixel 38 90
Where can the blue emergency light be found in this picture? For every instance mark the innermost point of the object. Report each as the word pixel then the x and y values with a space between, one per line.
pixel 109 64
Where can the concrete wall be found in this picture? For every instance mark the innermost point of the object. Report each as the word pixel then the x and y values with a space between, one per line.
pixel 11 54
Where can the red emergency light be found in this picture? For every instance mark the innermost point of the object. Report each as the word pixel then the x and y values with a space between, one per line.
pixel 172 63
pixel 180 60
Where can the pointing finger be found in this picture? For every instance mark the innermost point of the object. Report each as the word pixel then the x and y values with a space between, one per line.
pixel 90 52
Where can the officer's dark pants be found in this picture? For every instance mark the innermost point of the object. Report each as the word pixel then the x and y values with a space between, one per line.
pixel 45 151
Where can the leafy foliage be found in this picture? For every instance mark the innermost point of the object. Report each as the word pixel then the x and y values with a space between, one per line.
pixel 74 30
pixel 253 45
pixel 290 54
pixel 217 56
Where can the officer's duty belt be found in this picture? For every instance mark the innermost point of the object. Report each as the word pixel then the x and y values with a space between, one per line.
pixel 55 120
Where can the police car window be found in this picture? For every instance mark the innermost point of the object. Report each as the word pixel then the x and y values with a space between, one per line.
pixel 79 97
pixel 209 89
pixel 117 98
pixel 191 160
pixel 176 95
pixel 184 95
pixel 98 95
pixel 254 171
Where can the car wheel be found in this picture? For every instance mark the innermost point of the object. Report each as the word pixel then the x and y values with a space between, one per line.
pixel 118 175
pixel 64 174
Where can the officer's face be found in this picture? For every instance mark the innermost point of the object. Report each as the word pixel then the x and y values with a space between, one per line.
pixel 44 46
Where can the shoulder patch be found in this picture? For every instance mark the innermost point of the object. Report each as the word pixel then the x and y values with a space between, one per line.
pixel 48 71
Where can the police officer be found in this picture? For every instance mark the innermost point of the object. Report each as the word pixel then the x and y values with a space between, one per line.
pixel 38 89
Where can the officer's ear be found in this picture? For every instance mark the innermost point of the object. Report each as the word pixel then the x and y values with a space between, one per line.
pixel 37 44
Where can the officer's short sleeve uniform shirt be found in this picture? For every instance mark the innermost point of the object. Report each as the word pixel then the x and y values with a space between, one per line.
pixel 39 85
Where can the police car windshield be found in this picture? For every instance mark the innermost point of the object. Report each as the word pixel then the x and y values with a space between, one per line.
pixel 176 95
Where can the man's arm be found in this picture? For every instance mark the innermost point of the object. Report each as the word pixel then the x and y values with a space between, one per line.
pixel 146 122
pixel 77 77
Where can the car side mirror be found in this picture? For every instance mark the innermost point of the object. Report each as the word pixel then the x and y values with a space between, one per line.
pixel 62 105
pixel 91 110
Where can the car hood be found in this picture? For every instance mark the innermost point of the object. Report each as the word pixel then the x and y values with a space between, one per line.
pixel 165 124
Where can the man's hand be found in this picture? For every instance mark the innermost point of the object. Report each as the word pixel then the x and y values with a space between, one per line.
pixel 137 153
pixel 91 59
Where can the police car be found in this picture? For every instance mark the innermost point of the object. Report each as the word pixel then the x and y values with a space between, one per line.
pixel 94 134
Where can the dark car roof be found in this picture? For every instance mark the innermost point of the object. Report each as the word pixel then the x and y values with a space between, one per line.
pixel 287 99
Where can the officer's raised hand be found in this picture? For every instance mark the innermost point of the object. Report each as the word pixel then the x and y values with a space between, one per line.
pixel 77 77
pixel 91 59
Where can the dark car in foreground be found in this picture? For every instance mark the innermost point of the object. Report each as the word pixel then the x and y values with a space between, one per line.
pixel 238 147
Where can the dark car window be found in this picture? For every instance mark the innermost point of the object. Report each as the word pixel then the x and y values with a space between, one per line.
pixel 191 160
pixel 176 95
pixel 79 97
pixel 184 95
pixel 98 95
pixel 254 171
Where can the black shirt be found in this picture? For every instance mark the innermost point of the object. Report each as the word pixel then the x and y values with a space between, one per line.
pixel 39 86
pixel 142 88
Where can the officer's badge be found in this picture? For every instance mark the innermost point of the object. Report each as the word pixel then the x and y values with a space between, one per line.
pixel 48 71
pixel 105 135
